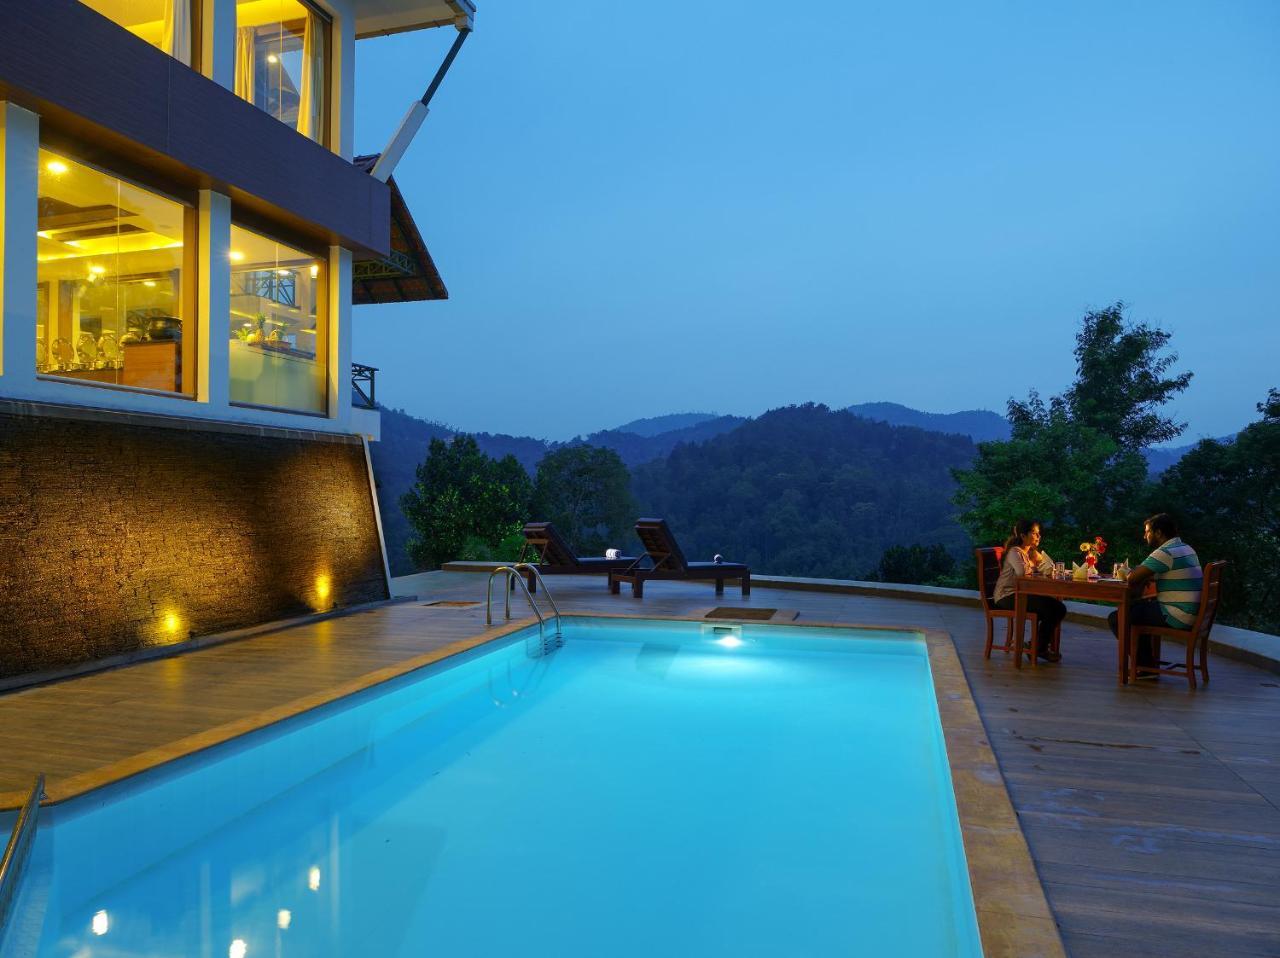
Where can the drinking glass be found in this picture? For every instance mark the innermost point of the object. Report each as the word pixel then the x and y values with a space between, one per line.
pixel 1059 570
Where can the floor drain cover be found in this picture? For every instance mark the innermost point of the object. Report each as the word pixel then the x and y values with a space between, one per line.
pixel 753 615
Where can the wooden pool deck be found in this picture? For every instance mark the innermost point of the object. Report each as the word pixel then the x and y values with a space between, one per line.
pixel 1152 813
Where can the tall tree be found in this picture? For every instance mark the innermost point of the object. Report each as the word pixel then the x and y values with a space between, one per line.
pixel 1226 496
pixel 1123 380
pixel 586 491
pixel 463 502
pixel 1076 461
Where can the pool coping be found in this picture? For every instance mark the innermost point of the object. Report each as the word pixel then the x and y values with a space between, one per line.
pixel 1014 918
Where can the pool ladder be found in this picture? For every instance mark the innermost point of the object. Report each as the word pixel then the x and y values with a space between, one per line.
pixel 13 863
pixel 513 576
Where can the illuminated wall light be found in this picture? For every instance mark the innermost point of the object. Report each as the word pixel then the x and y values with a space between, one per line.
pixel 323 588
pixel 171 623
pixel 284 918
pixel 313 878
pixel 97 270
pixel 149 283
pixel 101 922
pixel 235 256
pixel 282 272
pixel 315 270
pixel 272 58
pixel 238 949
pixel 44 234
pixel 56 167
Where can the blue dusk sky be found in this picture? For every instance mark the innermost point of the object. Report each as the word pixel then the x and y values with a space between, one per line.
pixel 732 206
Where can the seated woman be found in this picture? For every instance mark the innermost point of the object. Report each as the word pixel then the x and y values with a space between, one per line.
pixel 1022 556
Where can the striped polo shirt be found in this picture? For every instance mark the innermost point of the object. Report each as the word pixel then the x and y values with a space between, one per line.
pixel 1178 581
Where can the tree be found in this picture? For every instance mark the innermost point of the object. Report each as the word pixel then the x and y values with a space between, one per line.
pixel 1121 380
pixel 1076 462
pixel 1226 496
pixel 463 504
pixel 915 565
pixel 586 491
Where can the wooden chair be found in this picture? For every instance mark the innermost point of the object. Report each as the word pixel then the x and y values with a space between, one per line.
pixel 556 556
pixel 669 563
pixel 988 572
pixel 1196 637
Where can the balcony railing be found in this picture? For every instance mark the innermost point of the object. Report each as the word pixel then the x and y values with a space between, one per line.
pixel 363 381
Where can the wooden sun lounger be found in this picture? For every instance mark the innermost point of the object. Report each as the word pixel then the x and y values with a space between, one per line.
pixel 556 556
pixel 669 563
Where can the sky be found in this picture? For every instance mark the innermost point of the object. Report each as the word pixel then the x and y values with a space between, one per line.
pixel 732 205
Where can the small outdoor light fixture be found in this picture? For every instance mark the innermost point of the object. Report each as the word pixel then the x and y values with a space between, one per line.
pixel 56 167
pixel 313 878
pixel 284 918
pixel 101 922
pixel 238 949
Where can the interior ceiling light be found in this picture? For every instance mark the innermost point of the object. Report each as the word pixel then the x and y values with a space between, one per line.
pixel 56 167
pixel 236 256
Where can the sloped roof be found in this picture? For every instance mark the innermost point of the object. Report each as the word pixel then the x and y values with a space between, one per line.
pixel 407 274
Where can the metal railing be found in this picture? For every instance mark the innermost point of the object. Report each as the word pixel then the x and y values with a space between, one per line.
pixel 15 854
pixel 513 576
pixel 361 377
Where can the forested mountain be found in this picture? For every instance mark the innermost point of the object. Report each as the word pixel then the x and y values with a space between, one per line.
pixel 808 491
pixel 980 425
pixel 802 490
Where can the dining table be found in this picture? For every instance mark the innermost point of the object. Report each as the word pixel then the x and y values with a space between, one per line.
pixel 1111 591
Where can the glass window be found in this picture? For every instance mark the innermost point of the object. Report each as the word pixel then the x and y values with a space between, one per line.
pixel 166 24
pixel 282 54
pixel 115 281
pixel 279 325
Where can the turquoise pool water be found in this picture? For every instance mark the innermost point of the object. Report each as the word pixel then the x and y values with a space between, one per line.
pixel 652 788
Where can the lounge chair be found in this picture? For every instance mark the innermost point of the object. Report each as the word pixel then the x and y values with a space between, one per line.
pixel 556 556
pixel 669 563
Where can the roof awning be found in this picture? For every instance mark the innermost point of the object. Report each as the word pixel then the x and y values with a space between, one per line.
pixel 407 273
pixel 375 18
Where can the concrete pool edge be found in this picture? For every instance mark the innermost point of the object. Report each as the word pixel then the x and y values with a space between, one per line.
pixel 1013 915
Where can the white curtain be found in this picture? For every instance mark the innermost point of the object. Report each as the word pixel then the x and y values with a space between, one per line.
pixel 177 30
pixel 311 87
pixel 246 38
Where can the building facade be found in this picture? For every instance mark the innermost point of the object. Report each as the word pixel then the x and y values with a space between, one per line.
pixel 181 217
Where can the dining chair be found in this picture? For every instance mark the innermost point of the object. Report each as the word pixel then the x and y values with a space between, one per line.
pixel 988 559
pixel 1196 637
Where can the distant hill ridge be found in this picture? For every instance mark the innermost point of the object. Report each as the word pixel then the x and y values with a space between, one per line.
pixel 656 425
pixel 980 425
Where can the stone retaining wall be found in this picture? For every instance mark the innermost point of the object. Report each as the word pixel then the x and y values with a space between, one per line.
pixel 122 534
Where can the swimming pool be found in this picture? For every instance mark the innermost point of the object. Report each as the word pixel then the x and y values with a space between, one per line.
pixel 651 788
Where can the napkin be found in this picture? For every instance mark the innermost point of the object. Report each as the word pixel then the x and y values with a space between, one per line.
pixel 1080 572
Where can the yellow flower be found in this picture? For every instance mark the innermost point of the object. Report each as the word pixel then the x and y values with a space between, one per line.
pixel 1086 546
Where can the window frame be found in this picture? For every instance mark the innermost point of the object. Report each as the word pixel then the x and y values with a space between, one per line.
pixel 326 75
pixel 282 236
pixel 106 164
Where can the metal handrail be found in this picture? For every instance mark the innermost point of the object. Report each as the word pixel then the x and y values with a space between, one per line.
pixel 513 575
pixel 488 596
pixel 361 373
pixel 15 854
pixel 545 591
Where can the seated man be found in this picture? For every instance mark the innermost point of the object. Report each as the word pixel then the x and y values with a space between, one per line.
pixel 1176 569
